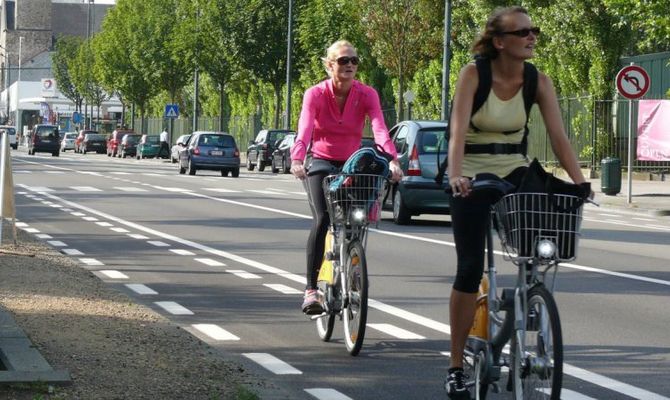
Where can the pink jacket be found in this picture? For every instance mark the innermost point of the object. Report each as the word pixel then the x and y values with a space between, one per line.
pixel 336 136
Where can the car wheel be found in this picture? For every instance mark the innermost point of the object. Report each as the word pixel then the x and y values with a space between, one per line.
pixel 225 172
pixel 137 156
pixel 55 154
pixel 401 215
pixel 285 167
pixel 250 166
pixel 261 166
pixel 182 170
pixel 236 173
pixel 191 168
pixel 274 169
pixel 109 154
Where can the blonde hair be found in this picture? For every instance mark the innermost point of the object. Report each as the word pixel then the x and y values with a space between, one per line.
pixel 483 46
pixel 332 50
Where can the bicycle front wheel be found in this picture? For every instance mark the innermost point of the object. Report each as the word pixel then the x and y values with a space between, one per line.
pixel 356 307
pixel 538 368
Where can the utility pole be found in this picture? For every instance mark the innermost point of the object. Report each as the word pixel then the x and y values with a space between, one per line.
pixel 287 123
pixel 446 61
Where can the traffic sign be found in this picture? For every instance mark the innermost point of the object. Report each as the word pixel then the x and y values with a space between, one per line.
pixel 172 110
pixel 632 82
pixel 76 117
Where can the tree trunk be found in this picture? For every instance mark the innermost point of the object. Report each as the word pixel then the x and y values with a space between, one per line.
pixel 401 102
pixel 222 103
pixel 278 104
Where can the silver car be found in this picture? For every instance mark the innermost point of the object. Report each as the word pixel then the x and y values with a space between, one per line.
pixel 178 145
pixel 68 141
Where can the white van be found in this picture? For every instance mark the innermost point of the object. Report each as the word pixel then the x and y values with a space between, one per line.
pixel 12 136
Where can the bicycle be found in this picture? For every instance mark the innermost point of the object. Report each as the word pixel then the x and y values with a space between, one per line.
pixel 353 202
pixel 537 231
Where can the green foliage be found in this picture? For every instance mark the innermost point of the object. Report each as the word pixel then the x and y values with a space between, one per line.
pixel 66 50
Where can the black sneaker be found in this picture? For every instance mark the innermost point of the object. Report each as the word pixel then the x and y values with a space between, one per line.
pixel 455 384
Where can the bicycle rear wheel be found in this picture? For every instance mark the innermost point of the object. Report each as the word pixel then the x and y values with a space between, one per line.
pixel 538 372
pixel 356 307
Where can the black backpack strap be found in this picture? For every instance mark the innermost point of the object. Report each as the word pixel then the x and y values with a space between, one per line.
pixel 530 79
pixel 485 81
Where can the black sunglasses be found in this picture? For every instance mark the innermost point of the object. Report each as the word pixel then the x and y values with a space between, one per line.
pixel 523 32
pixel 345 60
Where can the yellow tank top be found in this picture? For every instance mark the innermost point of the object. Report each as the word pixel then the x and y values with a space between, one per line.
pixel 492 119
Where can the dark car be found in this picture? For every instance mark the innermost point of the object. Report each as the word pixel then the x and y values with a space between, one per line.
pixel 114 140
pixel 417 144
pixel 211 151
pixel 128 145
pixel 44 139
pixel 260 150
pixel 281 157
pixel 78 148
pixel 93 142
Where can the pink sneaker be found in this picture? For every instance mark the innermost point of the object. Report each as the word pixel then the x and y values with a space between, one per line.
pixel 311 304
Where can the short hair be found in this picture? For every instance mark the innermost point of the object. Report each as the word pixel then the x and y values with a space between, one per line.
pixel 332 49
pixel 483 45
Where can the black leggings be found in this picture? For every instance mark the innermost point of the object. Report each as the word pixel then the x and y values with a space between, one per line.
pixel 469 219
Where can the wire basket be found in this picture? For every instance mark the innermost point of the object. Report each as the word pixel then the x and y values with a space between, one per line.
pixel 523 219
pixel 353 199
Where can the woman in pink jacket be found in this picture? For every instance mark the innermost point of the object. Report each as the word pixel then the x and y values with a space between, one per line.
pixel 331 121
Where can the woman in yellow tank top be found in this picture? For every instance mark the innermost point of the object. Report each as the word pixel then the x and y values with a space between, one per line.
pixel 508 40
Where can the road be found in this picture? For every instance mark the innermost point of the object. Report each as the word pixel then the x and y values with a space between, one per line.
pixel 224 258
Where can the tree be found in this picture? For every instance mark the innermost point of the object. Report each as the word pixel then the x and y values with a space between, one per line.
pixel 81 69
pixel 66 50
pixel 648 22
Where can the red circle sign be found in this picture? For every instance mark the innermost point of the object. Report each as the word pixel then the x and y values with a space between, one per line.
pixel 632 82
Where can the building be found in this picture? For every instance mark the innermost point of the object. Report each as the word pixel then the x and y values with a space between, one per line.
pixel 29 30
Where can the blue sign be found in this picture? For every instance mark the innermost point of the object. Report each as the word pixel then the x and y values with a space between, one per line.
pixel 76 117
pixel 171 110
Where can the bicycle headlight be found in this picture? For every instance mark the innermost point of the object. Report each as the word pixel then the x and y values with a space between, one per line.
pixel 546 248
pixel 358 214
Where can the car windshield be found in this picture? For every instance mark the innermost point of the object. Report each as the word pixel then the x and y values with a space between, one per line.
pixel 95 136
pixel 274 136
pixel 151 139
pixel 47 131
pixel 216 140
pixel 131 138
pixel 70 136
pixel 430 141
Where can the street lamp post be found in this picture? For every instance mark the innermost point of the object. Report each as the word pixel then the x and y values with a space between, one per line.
pixel 18 88
pixel 446 60
pixel 287 124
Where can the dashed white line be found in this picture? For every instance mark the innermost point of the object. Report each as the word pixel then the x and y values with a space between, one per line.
pixel 282 288
pixel 222 190
pixel 130 189
pixel 215 332
pixel 92 219
pixel 644 219
pixel 243 274
pixel 137 236
pixel 272 364
pixel 85 189
pixel 566 394
pixel 78 214
pixel 72 252
pixel 91 261
pixel 113 274
pixel 140 288
pixel 31 230
pixel 182 252
pixel 173 308
pixel 56 243
pixel 103 223
pixel 210 262
pixel 43 236
pixel 119 229
pixel 21 225
pixel 396 331
pixel 327 394
pixel 158 243
pixel 608 383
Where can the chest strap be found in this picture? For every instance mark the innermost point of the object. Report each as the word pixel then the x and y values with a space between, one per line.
pixel 496 148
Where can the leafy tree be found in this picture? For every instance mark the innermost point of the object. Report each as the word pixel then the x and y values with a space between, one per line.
pixel 66 50
pixel 648 22
pixel 86 82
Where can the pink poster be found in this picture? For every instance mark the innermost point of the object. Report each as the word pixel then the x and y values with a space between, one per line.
pixel 653 130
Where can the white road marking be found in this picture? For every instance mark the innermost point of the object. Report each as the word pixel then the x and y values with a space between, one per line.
pixel 103 223
pixel 182 252
pixel 85 189
pixel 272 364
pixel 91 261
pixel 215 332
pixel 43 236
pixel 113 274
pixel 243 274
pixel 56 243
pixel 566 394
pixel 130 189
pixel 31 230
pixel 140 288
pixel 265 192
pixel 609 215
pixel 396 331
pixel 119 230
pixel 72 252
pixel 55 205
pixel 137 236
pixel 173 189
pixel 91 219
pixel 78 214
pixel 54 172
pixel 40 189
pixel 173 308
pixel 327 394
pixel 120 173
pixel 66 209
pixel 644 219
pixel 21 225
pixel 158 243
pixel 222 190
pixel 210 262
pixel 282 288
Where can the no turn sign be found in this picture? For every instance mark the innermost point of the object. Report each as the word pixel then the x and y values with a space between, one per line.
pixel 632 82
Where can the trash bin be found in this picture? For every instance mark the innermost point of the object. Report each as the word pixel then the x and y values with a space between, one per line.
pixel 610 176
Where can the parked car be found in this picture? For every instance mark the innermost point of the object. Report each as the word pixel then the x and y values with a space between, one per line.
pixel 210 151
pixel 114 140
pixel 44 139
pixel 80 138
pixel 177 146
pixel 417 193
pixel 260 150
pixel 281 157
pixel 68 141
pixel 128 145
pixel 11 133
pixel 93 142
pixel 148 147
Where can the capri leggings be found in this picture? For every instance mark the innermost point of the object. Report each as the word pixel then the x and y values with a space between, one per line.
pixel 469 219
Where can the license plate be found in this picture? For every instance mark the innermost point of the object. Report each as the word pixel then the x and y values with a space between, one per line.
pixel 46 141
pixel 217 153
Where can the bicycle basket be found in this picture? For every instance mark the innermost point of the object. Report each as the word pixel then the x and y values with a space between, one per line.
pixel 353 199
pixel 525 218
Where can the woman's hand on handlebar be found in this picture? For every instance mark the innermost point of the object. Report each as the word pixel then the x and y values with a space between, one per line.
pixel 396 171
pixel 298 170
pixel 460 186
